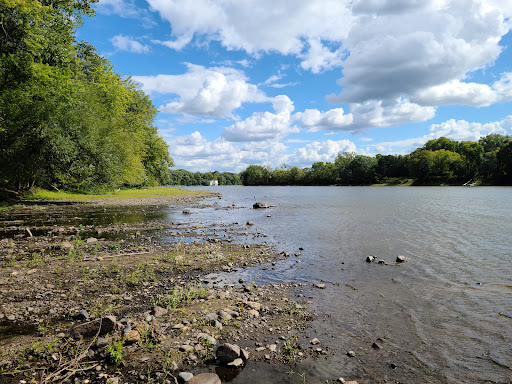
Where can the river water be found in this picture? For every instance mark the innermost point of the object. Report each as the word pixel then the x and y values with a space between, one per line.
pixel 444 316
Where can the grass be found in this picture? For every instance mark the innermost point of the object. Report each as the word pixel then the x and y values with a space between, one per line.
pixel 41 194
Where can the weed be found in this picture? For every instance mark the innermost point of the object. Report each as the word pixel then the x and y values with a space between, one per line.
pixel 9 262
pixel 115 351
pixel 291 346
pixel 179 294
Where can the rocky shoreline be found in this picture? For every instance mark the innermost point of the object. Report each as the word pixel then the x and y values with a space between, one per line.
pixel 119 303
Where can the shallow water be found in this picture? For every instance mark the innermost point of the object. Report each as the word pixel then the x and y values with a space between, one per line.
pixel 444 311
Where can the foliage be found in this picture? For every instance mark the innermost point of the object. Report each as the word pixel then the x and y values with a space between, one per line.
pixel 183 177
pixel 67 119
pixel 115 351
pixel 439 161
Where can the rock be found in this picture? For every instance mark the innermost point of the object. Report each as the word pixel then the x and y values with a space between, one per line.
pixel 260 205
pixel 244 354
pixel 341 380
pixel 205 378
pixel 211 317
pixel 65 245
pixel 187 212
pixel 321 286
pixel 81 315
pixel 105 325
pixel 185 376
pixel 226 353
pixel 159 311
pixel 253 305
pixel 253 313
pixel 401 259
pixel 210 339
pixel 186 348
pixel 250 223
pixel 101 342
pixel 91 240
pixel 224 315
pixel 315 341
pixel 132 337
pixel 351 353
pixel 351 382
pixel 236 363
pixel 375 346
pixel 370 259
pixel 382 262
pixel 272 347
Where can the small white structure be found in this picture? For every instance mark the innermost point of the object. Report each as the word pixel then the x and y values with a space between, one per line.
pixel 214 182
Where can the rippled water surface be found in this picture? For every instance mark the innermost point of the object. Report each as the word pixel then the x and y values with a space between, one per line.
pixel 443 316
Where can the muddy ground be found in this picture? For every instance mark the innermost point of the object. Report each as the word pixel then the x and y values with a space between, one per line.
pixel 86 299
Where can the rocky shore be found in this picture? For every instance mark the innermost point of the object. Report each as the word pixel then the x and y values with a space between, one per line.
pixel 122 303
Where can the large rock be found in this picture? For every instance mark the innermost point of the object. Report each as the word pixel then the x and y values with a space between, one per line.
pixel 205 378
pixel 105 325
pixel 227 353
pixel 260 205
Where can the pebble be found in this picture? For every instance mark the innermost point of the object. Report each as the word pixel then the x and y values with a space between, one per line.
pixel 351 353
pixel 315 341
pixel 370 259
pixel 205 378
pixel 272 347
pixel 185 376
pixel 401 259
pixel 159 311
pixel 253 313
pixel 236 363
pixel 321 286
pixel 132 337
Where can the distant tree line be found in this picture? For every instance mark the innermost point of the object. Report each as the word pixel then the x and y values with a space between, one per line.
pixel 67 119
pixel 439 161
pixel 183 177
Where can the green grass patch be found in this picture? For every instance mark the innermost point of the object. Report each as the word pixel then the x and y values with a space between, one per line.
pixel 145 193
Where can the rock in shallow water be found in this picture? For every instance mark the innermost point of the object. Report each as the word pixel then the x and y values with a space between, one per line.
pixel 227 353
pixel 205 378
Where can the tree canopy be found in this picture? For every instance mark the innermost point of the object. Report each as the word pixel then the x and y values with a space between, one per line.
pixel 67 118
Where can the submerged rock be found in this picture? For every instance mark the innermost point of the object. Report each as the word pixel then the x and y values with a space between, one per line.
pixel 260 205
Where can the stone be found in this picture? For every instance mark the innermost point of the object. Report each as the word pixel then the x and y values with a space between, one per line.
pixel 272 347
pixel 244 354
pixel 101 342
pixel 81 315
pixel 401 259
pixel 224 315
pixel 253 313
pixel 226 353
pixel 341 380
pixel 253 305
pixel 351 353
pixel 210 339
pixel 351 382
pixel 250 223
pixel 65 245
pixel 211 317
pixel 375 346
pixel 315 341
pixel 105 325
pixel 186 348
pixel 187 212
pixel 159 311
pixel 320 286
pixel 185 376
pixel 259 205
pixel 91 240
pixel 205 378
pixel 236 363
pixel 132 337
pixel 370 259
pixel 382 261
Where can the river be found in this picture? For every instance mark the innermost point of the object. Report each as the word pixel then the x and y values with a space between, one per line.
pixel 443 316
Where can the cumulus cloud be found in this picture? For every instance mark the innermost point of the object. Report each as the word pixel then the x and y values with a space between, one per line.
pixel 460 130
pixel 332 119
pixel 214 92
pixel 379 113
pixel 129 44
pixel 319 58
pixel 264 126
pixel 321 151
pixel 194 152
pixel 397 50
pixel 256 26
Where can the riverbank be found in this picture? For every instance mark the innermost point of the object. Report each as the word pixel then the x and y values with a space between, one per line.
pixel 128 302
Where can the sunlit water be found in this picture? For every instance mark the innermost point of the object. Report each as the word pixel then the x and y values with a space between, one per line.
pixel 448 308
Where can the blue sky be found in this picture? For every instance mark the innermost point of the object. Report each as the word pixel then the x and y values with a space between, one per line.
pixel 240 82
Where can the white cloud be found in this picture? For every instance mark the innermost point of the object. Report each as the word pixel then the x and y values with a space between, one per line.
pixel 123 8
pixel 379 113
pixel 398 50
pixel 129 44
pixel 321 151
pixel 195 153
pixel 264 126
pixel 214 92
pixel 256 25
pixel 332 119
pixel 459 130
pixel 320 58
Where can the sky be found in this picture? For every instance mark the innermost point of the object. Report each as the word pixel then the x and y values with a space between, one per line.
pixel 290 83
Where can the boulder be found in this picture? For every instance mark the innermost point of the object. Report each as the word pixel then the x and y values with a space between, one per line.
pixel 226 353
